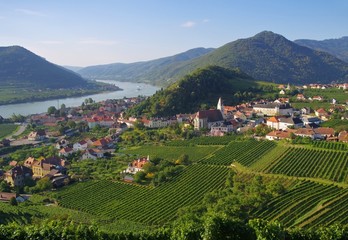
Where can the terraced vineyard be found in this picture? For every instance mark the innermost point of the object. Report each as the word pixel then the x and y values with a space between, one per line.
pixel 243 152
pixel 314 163
pixel 141 204
pixel 308 204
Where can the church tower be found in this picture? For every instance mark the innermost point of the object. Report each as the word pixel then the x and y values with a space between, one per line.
pixel 220 107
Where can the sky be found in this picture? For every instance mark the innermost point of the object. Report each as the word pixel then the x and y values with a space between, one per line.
pixel 91 32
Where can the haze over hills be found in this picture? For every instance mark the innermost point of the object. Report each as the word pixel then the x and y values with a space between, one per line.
pixel 147 71
pixel 266 56
pixel 20 67
pixel 337 47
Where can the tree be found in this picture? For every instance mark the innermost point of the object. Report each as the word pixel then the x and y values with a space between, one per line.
pixel 51 110
pixel 13 201
pixel 183 160
pixel 139 176
pixel 4 187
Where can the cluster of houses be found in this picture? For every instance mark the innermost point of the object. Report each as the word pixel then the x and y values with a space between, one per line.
pixel 53 167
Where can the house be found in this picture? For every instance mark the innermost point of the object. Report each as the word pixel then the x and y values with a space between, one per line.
pixel 65 152
pixel 324 132
pixel 17 175
pixel 282 123
pixel 158 122
pixel 6 197
pixel 305 110
pixel 343 136
pixel 103 143
pixel 311 120
pixel 306 132
pixel 279 135
pixel 300 97
pixel 44 167
pixel 62 144
pixel 282 92
pixel 39 135
pixel 137 165
pixel 223 127
pixel 322 114
pixel 317 98
pixel 92 153
pixel 80 146
pixel 273 109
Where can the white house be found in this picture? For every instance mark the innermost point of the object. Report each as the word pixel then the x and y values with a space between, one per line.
pixel 82 145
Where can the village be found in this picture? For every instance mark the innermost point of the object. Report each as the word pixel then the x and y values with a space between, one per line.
pixel 59 128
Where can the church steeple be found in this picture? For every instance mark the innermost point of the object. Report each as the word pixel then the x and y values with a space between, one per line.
pixel 220 107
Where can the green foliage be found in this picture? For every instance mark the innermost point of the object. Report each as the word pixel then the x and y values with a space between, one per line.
pixel 13 201
pixel 203 86
pixel 6 129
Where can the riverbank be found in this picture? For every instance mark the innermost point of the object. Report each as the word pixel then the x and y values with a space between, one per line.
pixel 17 95
pixel 128 90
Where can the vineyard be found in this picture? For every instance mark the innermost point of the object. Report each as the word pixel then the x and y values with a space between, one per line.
pixel 224 140
pixel 313 163
pixel 331 145
pixel 309 204
pixel 7 129
pixel 142 204
pixel 243 152
pixel 171 152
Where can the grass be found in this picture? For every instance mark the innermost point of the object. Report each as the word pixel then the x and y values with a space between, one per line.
pixel 7 129
pixel 195 153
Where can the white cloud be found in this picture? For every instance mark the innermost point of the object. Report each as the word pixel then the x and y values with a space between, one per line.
pixel 29 12
pixel 206 20
pixel 97 42
pixel 51 42
pixel 188 24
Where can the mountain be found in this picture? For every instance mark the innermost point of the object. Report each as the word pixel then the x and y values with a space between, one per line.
pixel 337 47
pixel 22 68
pixel 147 71
pixel 200 89
pixel 271 57
pixel 266 56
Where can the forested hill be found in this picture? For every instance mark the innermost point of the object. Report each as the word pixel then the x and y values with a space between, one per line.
pixel 271 57
pixel 198 90
pixel 146 71
pixel 337 47
pixel 21 68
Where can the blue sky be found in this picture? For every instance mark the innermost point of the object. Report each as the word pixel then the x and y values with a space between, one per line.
pixel 86 32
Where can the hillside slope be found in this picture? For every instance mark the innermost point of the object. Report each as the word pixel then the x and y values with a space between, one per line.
pixel 336 47
pixel 147 71
pixel 198 90
pixel 22 68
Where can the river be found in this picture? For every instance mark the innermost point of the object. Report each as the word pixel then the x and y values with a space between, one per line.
pixel 129 90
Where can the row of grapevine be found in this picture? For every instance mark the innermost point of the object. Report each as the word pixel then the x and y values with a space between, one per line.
pixel 223 140
pixel 147 205
pixel 244 152
pixel 308 204
pixel 314 163
pixel 331 145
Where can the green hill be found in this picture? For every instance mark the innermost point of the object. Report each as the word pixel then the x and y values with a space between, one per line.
pixel 200 89
pixel 22 68
pixel 336 47
pixel 147 71
pixel 266 56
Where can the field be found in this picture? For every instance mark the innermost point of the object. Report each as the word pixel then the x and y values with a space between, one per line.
pixel 7 129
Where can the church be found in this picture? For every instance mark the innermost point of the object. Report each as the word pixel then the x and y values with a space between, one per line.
pixel 206 118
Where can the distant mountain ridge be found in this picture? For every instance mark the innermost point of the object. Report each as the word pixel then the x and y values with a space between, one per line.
pixel 266 56
pixel 20 67
pixel 337 47
pixel 146 71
